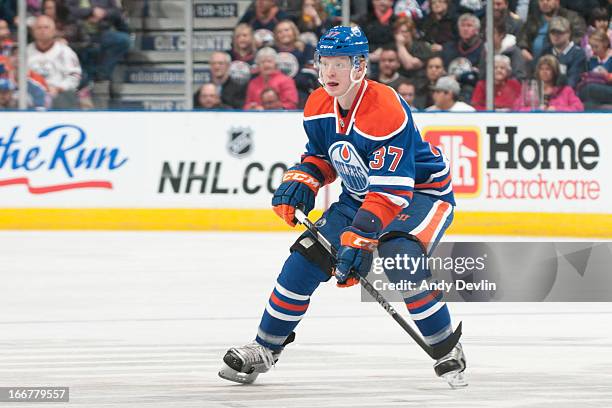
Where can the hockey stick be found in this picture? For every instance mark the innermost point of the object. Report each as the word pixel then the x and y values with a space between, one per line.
pixel 436 352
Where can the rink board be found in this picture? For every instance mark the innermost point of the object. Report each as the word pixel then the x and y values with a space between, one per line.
pixel 518 174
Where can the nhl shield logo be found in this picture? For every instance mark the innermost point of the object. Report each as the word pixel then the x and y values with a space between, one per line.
pixel 240 141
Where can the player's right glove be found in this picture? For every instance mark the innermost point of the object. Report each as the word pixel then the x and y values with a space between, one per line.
pixel 299 188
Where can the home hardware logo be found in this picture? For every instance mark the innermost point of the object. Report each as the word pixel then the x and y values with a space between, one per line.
pixel 461 146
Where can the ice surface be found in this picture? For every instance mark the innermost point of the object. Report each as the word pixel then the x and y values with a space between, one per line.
pixel 143 319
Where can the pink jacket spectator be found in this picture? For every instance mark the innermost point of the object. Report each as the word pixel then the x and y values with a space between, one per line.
pixel 563 99
pixel 281 83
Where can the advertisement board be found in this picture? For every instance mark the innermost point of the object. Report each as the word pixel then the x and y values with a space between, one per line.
pixel 508 169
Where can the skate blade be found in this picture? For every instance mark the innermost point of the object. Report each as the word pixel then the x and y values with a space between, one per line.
pixel 228 373
pixel 455 380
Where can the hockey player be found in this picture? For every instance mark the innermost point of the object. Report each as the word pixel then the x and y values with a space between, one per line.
pixel 396 197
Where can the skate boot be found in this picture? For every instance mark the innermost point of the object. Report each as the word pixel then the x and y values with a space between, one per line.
pixel 244 364
pixel 451 367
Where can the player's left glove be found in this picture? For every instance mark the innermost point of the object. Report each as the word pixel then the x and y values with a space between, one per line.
pixel 355 254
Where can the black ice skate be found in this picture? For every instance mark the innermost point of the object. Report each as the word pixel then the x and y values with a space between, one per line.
pixel 244 364
pixel 451 367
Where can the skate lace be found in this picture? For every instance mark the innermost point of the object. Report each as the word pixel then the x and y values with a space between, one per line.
pixel 254 353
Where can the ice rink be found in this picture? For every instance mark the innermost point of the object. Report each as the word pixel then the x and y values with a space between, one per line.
pixel 144 318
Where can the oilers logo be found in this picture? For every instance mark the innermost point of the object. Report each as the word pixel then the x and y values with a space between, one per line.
pixel 350 167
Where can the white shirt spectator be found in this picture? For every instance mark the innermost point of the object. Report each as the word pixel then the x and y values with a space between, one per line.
pixel 457 107
pixel 59 65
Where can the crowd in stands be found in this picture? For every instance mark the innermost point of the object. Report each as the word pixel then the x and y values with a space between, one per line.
pixel 72 44
pixel 549 54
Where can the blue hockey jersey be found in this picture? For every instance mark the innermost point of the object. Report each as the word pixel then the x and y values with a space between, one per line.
pixel 376 149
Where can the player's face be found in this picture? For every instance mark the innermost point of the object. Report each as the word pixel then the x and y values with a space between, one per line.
pixel 335 72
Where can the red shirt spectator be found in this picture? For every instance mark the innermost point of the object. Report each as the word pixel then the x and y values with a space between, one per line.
pixel 270 77
pixel 507 90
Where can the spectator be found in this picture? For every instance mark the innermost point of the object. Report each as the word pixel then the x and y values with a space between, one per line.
pixel 286 40
pixel 468 46
pixel 505 44
pixel 407 91
pixel 502 15
pixel 265 14
pixel 56 62
pixel 72 32
pixel 8 12
pixel 475 7
pixel 6 42
pixel 7 96
pixel 507 90
pixel 445 96
pixel 104 23
pixel 411 51
pixel 434 70
pixel 602 57
pixel 599 21
pixel 270 77
pixel 270 100
pixel 377 24
pixel 38 90
pixel 553 97
pixel 571 57
pixel 595 89
pixel 412 9
pixel 232 92
pixel 533 39
pixel 439 26
pixel 313 18
pixel 208 97
pixel 243 44
pixel 462 57
pixel 295 58
pixel 388 68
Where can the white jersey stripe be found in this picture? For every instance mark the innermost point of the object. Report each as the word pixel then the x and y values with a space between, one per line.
pixel 437 192
pixel 429 312
pixel 391 181
pixel 439 336
pixel 397 200
pixel 282 316
pixel 290 294
pixel 321 116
